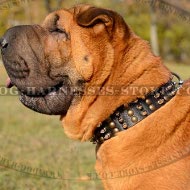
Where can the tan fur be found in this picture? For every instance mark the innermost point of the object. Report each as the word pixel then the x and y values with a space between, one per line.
pixel 131 53
pixel 119 57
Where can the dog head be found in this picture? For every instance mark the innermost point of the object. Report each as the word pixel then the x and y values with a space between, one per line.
pixel 54 65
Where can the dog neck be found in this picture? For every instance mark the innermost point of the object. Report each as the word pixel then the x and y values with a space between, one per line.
pixel 128 115
pixel 135 65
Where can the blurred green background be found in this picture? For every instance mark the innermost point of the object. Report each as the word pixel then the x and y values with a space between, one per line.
pixel 38 141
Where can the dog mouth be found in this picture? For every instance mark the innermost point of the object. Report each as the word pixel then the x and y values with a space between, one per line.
pixel 54 100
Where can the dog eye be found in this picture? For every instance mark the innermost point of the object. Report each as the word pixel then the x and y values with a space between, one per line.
pixel 59 33
pixel 57 30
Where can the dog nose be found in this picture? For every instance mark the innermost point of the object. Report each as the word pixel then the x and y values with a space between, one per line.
pixel 3 43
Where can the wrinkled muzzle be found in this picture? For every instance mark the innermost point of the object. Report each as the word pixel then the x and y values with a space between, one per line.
pixel 22 49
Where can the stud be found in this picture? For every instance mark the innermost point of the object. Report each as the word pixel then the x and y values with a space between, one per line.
pixel 112 125
pixel 173 93
pixel 166 98
pixel 120 120
pixel 148 101
pixel 144 113
pixel 134 119
pixel 130 112
pixel 102 139
pixel 169 87
pixel 99 125
pixel 139 107
pixel 116 130
pixel 107 136
pixel 162 91
pixel 152 107
pixel 157 95
pixel 125 125
pixel 103 130
pixel 161 101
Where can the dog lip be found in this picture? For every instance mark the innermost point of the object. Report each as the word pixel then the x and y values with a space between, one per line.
pixel 31 92
pixel 55 102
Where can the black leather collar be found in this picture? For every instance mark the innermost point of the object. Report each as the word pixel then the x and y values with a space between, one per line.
pixel 128 115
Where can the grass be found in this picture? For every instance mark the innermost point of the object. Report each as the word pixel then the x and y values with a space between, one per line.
pixel 38 141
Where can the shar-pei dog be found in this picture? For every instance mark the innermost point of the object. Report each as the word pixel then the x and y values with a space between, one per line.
pixel 87 65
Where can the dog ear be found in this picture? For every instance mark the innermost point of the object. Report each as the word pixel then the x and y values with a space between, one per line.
pixel 93 16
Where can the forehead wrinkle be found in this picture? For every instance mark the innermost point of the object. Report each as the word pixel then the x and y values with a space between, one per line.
pixel 65 19
pixel 56 19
